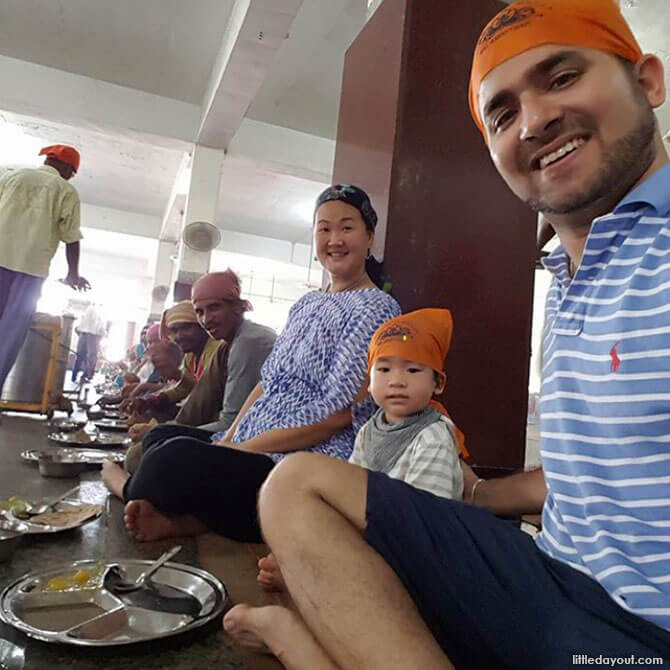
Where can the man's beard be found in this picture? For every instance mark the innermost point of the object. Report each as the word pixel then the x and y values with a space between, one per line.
pixel 622 166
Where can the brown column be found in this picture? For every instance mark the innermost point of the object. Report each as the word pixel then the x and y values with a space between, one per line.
pixel 455 236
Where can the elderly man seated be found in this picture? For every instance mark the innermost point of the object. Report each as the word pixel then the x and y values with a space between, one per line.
pixel 233 372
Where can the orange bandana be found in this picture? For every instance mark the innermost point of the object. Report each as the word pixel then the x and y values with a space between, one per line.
pixel 422 337
pixel 527 24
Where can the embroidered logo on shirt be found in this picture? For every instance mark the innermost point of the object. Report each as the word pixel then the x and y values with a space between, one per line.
pixel 616 361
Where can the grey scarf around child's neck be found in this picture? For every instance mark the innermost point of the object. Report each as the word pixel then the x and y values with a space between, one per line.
pixel 384 442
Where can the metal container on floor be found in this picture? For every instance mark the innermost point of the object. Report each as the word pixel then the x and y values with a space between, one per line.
pixel 32 382
pixel 64 344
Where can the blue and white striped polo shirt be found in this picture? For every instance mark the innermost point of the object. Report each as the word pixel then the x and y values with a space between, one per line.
pixel 605 404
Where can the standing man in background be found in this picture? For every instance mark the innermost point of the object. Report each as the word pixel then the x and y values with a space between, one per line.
pixel 91 329
pixel 38 209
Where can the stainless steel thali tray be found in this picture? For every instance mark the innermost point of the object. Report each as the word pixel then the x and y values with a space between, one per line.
pixel 97 440
pixel 67 455
pixel 9 521
pixel 92 616
pixel 111 424
pixel 67 425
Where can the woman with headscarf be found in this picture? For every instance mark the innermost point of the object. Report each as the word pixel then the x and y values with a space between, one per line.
pixel 311 394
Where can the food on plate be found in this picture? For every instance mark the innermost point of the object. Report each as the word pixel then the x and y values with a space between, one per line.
pixel 17 506
pixel 74 581
pixel 67 516
pixel 82 437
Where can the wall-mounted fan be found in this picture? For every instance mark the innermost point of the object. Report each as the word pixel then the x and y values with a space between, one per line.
pixel 159 293
pixel 201 236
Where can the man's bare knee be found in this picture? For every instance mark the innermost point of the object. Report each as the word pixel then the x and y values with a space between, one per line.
pixel 288 481
pixel 304 477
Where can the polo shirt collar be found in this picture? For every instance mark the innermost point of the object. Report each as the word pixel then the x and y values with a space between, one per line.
pixel 654 191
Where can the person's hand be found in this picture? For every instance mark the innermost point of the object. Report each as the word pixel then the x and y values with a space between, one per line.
pixel 76 282
pixel 138 431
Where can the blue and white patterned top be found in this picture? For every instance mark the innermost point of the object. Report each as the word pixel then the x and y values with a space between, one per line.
pixel 605 405
pixel 318 365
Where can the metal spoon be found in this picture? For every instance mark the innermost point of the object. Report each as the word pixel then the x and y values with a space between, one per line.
pixel 45 507
pixel 118 584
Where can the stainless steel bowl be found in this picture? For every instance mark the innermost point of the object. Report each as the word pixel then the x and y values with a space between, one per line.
pixel 50 466
pixel 9 540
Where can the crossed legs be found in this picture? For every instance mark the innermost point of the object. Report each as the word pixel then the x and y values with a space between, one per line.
pixel 351 611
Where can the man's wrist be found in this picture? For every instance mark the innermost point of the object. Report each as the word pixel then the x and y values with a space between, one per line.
pixel 475 487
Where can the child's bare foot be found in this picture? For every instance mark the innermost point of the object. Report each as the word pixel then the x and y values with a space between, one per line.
pixel 145 523
pixel 281 632
pixel 114 478
pixel 269 574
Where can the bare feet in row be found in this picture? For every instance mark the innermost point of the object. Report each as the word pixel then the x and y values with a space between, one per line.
pixel 277 630
pixel 114 478
pixel 269 575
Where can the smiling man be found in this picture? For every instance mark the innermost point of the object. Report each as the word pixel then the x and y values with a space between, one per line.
pixel 236 367
pixel 386 576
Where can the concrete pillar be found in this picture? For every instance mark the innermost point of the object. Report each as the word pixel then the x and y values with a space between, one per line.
pixel 456 236
pixel 162 278
pixel 201 205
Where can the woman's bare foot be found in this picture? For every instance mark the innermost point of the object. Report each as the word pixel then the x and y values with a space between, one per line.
pixel 269 574
pixel 145 523
pixel 114 478
pixel 281 632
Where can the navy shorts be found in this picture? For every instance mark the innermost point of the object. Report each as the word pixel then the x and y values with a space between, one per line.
pixel 490 597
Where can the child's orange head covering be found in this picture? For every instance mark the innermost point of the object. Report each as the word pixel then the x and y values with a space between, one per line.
pixel 422 337
pixel 527 24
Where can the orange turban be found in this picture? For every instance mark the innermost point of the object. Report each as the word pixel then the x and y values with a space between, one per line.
pixel 219 286
pixel 422 337
pixel 527 24
pixel 182 312
pixel 63 153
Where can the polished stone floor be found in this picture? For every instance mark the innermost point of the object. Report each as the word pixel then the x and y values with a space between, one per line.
pixel 104 538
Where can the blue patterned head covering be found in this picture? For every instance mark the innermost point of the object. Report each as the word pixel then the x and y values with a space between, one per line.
pixel 354 196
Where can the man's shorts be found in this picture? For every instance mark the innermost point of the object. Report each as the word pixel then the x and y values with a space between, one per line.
pixel 490 597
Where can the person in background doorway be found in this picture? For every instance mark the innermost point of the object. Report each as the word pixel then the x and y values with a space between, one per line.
pixel 91 329
pixel 38 209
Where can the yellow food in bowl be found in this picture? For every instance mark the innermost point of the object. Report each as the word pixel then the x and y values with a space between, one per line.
pixel 82 579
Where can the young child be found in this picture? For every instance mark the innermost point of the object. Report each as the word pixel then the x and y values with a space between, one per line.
pixel 411 437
